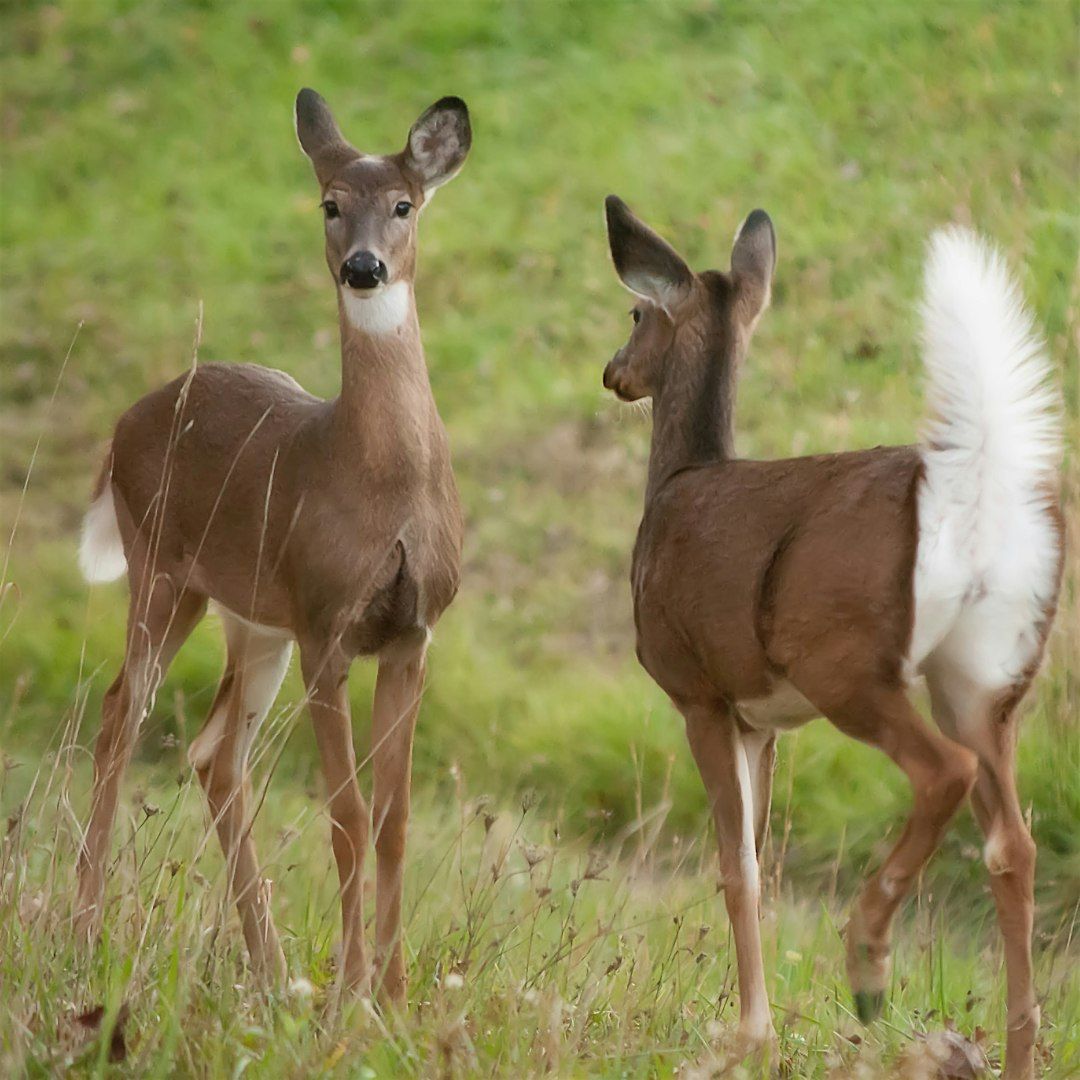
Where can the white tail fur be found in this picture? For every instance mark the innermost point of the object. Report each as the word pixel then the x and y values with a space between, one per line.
pixel 991 449
pixel 994 411
pixel 101 550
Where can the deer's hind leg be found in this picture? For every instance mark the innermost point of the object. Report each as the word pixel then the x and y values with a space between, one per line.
pixel 941 774
pixel 161 615
pixel 255 667
pixel 986 722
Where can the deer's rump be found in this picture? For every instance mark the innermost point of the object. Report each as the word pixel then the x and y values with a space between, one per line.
pixel 746 569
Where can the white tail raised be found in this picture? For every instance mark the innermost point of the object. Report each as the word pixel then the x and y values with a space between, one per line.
pixel 991 450
pixel 994 413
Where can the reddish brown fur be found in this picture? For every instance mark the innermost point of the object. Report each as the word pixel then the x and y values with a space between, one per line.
pixel 753 580
pixel 752 532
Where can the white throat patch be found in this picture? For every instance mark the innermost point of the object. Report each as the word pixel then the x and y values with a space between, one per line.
pixel 378 312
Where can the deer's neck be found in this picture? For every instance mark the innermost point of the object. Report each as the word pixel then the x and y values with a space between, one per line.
pixel 693 413
pixel 385 415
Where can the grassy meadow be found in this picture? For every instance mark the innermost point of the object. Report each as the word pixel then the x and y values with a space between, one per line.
pixel 561 905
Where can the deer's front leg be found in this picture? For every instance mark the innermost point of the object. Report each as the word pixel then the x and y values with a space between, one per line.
pixel 721 759
pixel 326 677
pixel 398 690
pixel 760 747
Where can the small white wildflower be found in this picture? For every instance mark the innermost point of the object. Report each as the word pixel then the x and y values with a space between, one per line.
pixel 453 981
pixel 301 988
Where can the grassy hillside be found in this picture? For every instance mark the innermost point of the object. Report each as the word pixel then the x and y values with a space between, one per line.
pixel 149 167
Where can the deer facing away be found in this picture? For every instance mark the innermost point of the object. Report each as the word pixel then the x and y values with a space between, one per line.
pixel 334 524
pixel 770 592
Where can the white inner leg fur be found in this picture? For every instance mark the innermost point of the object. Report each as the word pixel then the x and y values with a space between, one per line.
pixel 747 850
pixel 380 311
pixel 261 659
pixel 264 672
pixel 759 1020
pixel 754 743
pixel 994 851
pixel 204 745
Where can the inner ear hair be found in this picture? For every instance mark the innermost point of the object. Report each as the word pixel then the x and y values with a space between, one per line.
pixel 438 143
pixel 646 263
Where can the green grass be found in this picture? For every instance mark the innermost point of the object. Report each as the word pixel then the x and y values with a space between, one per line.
pixel 149 165
pixel 528 952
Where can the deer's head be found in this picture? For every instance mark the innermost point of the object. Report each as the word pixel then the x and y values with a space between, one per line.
pixel 674 305
pixel 370 202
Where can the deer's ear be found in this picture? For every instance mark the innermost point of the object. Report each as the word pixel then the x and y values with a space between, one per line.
pixel 646 264
pixel 320 138
pixel 438 143
pixel 753 260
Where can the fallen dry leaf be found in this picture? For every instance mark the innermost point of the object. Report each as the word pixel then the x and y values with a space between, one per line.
pixel 945 1055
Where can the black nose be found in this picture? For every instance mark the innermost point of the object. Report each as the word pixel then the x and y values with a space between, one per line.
pixel 363 271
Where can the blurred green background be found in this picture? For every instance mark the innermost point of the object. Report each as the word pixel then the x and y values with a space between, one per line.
pixel 150 167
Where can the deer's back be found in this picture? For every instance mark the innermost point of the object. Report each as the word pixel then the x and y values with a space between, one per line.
pixel 199 465
pixel 743 569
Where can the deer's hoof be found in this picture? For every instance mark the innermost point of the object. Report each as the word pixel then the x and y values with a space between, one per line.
pixel 869 1004
pixel 868 966
pixel 756 1038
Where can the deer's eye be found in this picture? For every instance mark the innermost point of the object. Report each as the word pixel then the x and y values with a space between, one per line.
pixel 402 208
pixel 330 209
pixel 636 315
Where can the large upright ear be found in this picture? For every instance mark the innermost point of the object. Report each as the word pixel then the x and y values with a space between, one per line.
pixel 438 143
pixel 320 137
pixel 646 264
pixel 753 260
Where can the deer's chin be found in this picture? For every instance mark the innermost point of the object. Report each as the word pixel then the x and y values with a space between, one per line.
pixel 381 310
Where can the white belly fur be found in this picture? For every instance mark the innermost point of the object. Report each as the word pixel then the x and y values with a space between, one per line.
pixel 257 628
pixel 782 708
